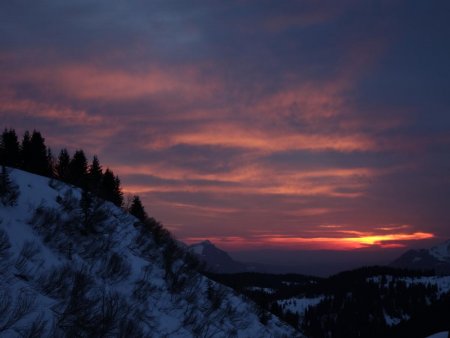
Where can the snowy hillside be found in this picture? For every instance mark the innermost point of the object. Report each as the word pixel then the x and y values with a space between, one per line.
pixel 71 265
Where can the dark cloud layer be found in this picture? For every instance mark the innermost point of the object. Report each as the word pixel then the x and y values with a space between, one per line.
pixel 249 122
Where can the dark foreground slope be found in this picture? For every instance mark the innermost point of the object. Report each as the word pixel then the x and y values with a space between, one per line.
pixel 367 302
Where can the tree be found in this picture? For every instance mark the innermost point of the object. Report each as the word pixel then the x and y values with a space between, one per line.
pixel 26 152
pixel 137 209
pixel 118 194
pixel 110 188
pixel 34 156
pixel 95 175
pixel 78 169
pixel 9 192
pixel 51 163
pixel 62 165
pixel 86 205
pixel 39 160
pixel 9 149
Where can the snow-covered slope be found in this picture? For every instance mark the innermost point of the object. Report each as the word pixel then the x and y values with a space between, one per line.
pixel 436 258
pixel 91 270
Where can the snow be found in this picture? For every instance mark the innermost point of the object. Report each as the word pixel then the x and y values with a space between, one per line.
pixel 441 252
pixel 198 249
pixel 443 334
pixel 392 321
pixel 161 312
pixel 299 305
pixel 441 282
pixel 260 289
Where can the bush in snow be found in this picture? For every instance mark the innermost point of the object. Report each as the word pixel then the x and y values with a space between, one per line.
pixel 27 261
pixel 13 311
pixel 57 282
pixel 9 191
pixel 5 245
pixel 114 268
pixel 34 330
pixel 94 312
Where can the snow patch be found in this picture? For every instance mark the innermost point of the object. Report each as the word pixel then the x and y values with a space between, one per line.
pixel 299 305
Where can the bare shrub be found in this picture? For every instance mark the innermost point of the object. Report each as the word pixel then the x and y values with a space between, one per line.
pixel 68 201
pixel 56 283
pixel 27 260
pixel 130 328
pixel 76 317
pixel 171 254
pixel 142 290
pixel 190 316
pixel 5 254
pixel 92 312
pixel 35 330
pixel 9 191
pixel 92 214
pixel 215 295
pixel 14 311
pixel 144 246
pixel 115 268
pixel 94 246
pixel 55 184
pixel 44 221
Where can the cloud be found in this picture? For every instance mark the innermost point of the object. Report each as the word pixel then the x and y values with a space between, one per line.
pixel 87 83
pixel 266 141
pixel 288 118
pixel 35 109
pixel 395 240
pixel 253 179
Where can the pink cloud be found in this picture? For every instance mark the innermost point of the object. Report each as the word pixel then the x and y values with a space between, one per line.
pixel 317 243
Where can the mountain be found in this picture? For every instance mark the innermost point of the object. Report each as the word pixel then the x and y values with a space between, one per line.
pixel 219 261
pixel 436 258
pixel 74 265
pixel 216 260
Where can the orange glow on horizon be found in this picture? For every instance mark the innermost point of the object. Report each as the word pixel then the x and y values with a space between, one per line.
pixel 316 243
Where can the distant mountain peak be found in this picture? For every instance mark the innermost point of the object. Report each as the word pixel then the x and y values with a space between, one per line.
pixel 216 259
pixel 441 251
pixel 207 242
pixel 435 258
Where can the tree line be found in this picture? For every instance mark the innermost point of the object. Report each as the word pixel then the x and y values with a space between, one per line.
pixel 31 154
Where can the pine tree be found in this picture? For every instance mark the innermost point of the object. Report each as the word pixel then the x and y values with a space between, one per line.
pixel 78 169
pixel 51 163
pixel 62 165
pixel 9 192
pixel 118 194
pixel 9 149
pixel 26 152
pixel 110 188
pixel 95 175
pixel 137 209
pixel 39 160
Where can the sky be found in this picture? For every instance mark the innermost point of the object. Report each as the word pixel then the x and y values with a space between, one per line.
pixel 301 125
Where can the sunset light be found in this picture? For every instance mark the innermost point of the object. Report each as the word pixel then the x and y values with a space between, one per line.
pixel 292 126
